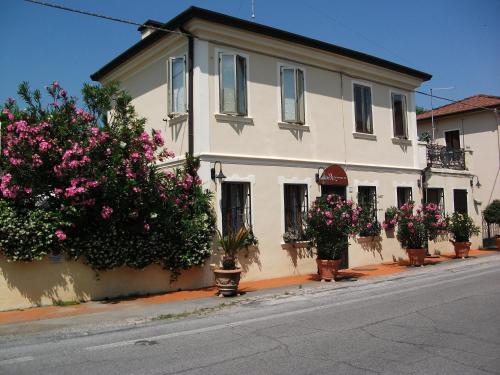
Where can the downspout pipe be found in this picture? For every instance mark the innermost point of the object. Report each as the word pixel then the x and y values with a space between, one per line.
pixel 190 64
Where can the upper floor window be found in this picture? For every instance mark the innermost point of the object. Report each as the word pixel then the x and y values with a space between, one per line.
pixel 233 84
pixel 292 95
pixel 177 85
pixel 363 109
pixel 399 115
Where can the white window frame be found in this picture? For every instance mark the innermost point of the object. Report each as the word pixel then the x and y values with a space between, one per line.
pixel 395 92
pixel 218 93
pixel 170 82
pixel 295 68
pixel 366 84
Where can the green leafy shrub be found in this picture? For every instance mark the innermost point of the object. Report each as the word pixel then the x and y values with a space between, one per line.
pixel 492 212
pixel 462 227
pixel 368 224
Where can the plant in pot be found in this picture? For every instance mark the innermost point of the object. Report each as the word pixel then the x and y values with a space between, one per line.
pixel 369 226
pixel 412 234
pixel 462 228
pixel 329 224
pixel 390 218
pixel 492 216
pixel 227 278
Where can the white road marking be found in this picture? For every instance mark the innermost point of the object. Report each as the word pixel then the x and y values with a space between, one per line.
pixel 16 360
pixel 283 314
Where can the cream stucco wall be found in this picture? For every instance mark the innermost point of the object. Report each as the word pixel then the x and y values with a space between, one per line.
pixel 478 132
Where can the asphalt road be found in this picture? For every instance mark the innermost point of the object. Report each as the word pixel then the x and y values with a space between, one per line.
pixel 436 320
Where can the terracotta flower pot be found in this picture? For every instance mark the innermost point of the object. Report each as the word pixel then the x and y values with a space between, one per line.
pixel 462 249
pixel 416 256
pixel 328 268
pixel 227 281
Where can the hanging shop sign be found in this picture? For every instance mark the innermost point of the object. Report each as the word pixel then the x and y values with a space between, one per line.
pixel 333 175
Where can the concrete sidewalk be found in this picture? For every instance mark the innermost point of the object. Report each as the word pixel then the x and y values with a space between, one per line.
pixel 115 313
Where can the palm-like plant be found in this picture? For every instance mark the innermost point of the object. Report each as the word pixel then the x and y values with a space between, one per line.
pixel 230 245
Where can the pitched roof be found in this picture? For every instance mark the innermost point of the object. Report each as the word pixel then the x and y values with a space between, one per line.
pixel 208 15
pixel 465 105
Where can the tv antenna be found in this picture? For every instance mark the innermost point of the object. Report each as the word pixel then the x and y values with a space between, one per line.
pixel 253 10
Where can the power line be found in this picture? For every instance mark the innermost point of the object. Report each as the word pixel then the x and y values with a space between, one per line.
pixel 128 22
pixel 109 18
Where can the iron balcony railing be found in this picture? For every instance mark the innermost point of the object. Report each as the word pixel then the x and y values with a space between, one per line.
pixel 439 156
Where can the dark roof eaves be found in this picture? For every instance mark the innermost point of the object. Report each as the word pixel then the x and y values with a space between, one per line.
pixel 195 12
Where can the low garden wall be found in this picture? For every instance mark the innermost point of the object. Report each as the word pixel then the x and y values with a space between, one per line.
pixel 44 282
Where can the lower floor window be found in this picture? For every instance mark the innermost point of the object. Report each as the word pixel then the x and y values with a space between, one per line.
pixel 296 204
pixel 235 206
pixel 404 195
pixel 367 198
pixel 436 196
pixel 460 201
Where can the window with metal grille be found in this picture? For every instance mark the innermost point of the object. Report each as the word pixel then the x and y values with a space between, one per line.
pixel 460 201
pixel 363 109
pixel 296 204
pixel 404 195
pixel 235 206
pixel 436 196
pixel 367 199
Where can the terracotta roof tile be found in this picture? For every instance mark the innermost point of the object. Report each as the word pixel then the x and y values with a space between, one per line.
pixel 464 105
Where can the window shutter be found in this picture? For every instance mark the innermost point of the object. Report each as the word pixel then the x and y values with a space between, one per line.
pixel 241 85
pixel 300 96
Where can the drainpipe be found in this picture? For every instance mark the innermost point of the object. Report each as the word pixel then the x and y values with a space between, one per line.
pixel 190 91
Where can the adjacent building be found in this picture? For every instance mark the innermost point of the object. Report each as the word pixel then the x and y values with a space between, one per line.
pixel 469 127
pixel 278 119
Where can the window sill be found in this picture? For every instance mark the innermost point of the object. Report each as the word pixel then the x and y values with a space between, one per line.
pixel 233 119
pixel 367 136
pixel 294 245
pixel 293 126
pixel 177 118
pixel 401 141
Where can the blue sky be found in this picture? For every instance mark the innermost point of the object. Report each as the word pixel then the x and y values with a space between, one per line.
pixel 456 41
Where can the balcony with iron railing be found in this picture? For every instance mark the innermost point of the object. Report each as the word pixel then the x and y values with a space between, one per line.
pixel 439 156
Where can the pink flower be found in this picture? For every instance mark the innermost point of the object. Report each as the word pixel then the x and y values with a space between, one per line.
pixel 369 225
pixel 410 225
pixel 136 189
pixel 329 222
pixel 28 190
pixel 158 139
pixel 61 235
pixel 146 227
pixel 106 212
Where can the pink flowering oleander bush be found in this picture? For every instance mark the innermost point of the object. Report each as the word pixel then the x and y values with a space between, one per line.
pixel 90 175
pixel 391 218
pixel 368 224
pixel 330 222
pixel 415 229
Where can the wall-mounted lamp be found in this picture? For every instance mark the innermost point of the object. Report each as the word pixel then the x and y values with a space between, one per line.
pixel 318 174
pixel 219 176
pixel 478 184
pixel 419 183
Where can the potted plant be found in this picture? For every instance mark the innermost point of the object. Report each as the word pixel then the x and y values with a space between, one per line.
pixel 390 218
pixel 369 226
pixel 412 234
pixel 227 278
pixel 462 227
pixel 492 216
pixel 292 236
pixel 329 223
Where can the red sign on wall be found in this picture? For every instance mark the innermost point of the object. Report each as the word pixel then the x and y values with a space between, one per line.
pixel 334 175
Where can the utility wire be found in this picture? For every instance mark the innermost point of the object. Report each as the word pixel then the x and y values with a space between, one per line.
pixel 61 7
pixel 128 22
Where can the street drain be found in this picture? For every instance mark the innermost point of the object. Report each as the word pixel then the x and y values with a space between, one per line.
pixel 145 342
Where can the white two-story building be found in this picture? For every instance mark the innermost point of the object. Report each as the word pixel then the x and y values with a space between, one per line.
pixel 277 119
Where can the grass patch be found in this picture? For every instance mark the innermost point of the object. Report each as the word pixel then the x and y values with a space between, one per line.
pixel 59 302
pixel 195 312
